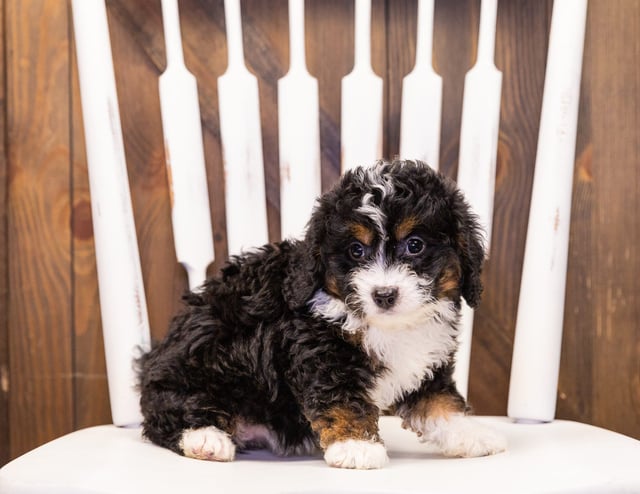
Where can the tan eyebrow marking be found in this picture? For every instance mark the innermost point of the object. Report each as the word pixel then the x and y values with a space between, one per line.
pixel 362 233
pixel 405 227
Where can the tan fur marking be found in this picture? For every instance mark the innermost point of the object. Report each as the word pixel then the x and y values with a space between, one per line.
pixel 340 424
pixel 440 406
pixel 405 227
pixel 449 282
pixel 331 286
pixel 362 233
pixel 354 338
pixel 433 407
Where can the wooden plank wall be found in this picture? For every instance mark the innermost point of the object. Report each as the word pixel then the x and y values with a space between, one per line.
pixel 52 377
pixel 4 334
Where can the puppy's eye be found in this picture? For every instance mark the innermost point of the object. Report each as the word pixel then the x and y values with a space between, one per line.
pixel 415 246
pixel 356 251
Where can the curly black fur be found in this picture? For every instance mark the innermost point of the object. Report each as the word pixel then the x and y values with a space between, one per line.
pixel 250 347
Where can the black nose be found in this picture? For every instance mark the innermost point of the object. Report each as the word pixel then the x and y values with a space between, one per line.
pixel 385 297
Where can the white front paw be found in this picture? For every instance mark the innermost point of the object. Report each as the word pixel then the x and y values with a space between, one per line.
pixel 352 453
pixel 207 443
pixel 475 440
pixel 461 436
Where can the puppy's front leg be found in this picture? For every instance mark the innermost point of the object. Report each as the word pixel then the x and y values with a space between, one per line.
pixel 441 419
pixel 350 438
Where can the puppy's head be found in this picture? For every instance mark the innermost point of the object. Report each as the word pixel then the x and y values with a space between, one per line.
pixel 393 245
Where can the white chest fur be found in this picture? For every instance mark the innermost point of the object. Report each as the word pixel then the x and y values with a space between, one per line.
pixel 409 354
pixel 410 347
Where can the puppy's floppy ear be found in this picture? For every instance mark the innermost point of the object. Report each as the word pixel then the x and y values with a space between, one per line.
pixel 305 271
pixel 303 275
pixel 471 251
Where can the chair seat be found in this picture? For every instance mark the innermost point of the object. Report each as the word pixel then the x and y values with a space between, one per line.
pixel 561 456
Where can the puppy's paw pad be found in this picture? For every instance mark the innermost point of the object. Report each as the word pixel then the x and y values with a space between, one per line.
pixel 352 453
pixel 472 440
pixel 207 443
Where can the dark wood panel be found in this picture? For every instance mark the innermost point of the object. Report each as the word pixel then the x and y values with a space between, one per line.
pixel 401 26
pixel 614 55
pixel 4 280
pixel 329 33
pixel 379 62
pixel 575 386
pixel 455 35
pixel 41 374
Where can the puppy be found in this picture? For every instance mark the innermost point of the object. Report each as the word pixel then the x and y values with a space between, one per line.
pixel 303 344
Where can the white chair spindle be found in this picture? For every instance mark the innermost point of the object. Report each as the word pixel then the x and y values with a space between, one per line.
pixel 184 155
pixel 421 109
pixel 478 153
pixel 361 108
pixel 123 307
pixel 241 137
pixel 538 337
pixel 298 132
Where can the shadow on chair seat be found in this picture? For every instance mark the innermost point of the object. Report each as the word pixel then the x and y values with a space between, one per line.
pixel 556 457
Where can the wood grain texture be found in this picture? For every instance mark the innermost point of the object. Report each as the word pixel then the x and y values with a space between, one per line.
pixel 330 35
pixel 614 75
pixel 51 315
pixel 39 249
pixel 455 34
pixel 575 385
pixel 401 27
pixel 4 272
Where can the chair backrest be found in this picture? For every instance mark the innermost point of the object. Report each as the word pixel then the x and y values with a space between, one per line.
pixel 122 297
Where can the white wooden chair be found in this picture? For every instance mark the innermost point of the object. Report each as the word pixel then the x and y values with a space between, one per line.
pixel 544 455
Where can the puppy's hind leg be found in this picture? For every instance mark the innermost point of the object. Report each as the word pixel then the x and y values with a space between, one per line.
pixel 185 424
pixel 207 443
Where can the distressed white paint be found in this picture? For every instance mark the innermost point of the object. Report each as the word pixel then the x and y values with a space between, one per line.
pixel 184 155
pixel 241 138
pixel 478 152
pixel 538 336
pixel 422 97
pixel 298 132
pixel 125 324
pixel 361 120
